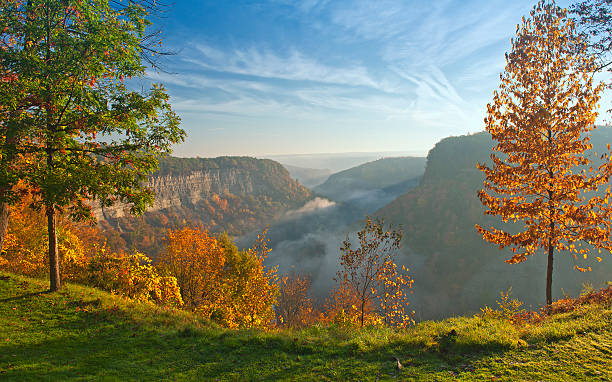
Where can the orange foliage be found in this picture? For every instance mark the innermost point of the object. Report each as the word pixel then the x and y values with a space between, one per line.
pixel 602 297
pixel 196 260
pixel 541 118
pixel 219 282
pixel 25 249
pixel 564 305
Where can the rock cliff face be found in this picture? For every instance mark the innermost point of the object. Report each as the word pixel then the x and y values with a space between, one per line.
pixel 181 190
pixel 233 194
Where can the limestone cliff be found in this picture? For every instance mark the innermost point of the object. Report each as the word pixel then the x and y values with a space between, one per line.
pixel 233 194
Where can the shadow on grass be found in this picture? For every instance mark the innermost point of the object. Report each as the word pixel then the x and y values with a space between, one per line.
pixel 24 296
pixel 117 350
pixel 106 344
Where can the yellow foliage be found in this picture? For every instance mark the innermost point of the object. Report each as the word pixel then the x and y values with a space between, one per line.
pixel 219 282
pixel 393 295
pixel 249 289
pixel 134 277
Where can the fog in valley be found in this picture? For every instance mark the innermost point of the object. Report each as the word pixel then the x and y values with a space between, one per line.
pixel 307 241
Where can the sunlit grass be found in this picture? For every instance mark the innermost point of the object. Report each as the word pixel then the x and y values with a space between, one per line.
pixel 84 334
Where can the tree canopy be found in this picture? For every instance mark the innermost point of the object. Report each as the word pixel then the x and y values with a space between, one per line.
pixel 541 118
pixel 73 129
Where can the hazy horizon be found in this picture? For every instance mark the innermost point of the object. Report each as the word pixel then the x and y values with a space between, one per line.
pixel 333 162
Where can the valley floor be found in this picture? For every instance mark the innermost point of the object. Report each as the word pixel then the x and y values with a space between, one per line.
pixel 84 334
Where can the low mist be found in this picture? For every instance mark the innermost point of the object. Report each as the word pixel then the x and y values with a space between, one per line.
pixel 308 240
pixel 311 206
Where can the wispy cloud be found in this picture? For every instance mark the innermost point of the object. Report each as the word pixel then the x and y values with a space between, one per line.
pixel 438 32
pixel 293 66
pixel 390 63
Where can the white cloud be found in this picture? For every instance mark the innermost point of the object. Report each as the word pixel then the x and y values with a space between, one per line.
pixel 293 66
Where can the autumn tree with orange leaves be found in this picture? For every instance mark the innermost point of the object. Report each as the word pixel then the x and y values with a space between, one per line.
pixel 541 174
pixel 220 282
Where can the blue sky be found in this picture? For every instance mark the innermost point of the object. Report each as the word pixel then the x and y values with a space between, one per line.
pixel 316 76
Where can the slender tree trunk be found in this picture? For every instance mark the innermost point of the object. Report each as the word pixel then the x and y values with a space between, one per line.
pixel 362 312
pixel 549 268
pixel 54 267
pixel 4 218
pixel 549 272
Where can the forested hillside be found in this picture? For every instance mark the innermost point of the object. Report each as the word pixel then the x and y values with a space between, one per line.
pixel 378 174
pixel 456 271
pixel 233 194
pixel 309 177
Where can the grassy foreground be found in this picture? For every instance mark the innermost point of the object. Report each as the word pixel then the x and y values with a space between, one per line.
pixel 84 334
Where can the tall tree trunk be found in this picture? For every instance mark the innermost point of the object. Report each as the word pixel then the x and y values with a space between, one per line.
pixel 549 268
pixel 54 267
pixel 4 218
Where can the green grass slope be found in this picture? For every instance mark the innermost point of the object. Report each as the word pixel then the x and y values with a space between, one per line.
pixel 84 334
